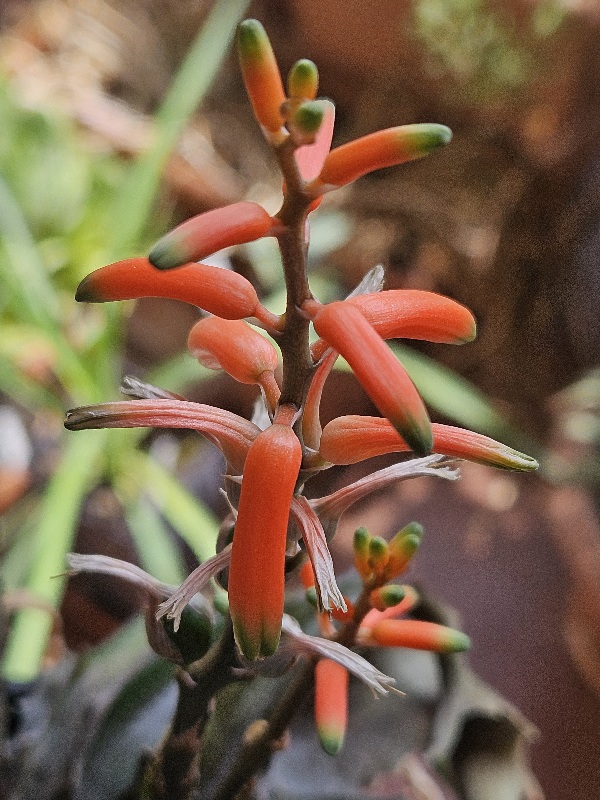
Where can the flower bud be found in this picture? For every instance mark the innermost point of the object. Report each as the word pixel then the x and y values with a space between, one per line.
pixel 261 76
pixel 380 373
pixel 256 573
pixel 378 555
pixel 402 548
pixel 386 596
pixel 305 120
pixel 418 635
pixel 385 148
pixel 204 234
pixel 310 157
pixel 361 542
pixel 415 314
pixel 239 349
pixel 218 291
pixel 303 80
pixel 331 704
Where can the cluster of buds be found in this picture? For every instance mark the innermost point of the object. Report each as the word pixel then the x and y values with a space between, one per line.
pixel 270 458
pixel 372 620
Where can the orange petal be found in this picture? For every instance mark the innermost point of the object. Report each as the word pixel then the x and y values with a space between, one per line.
pixel 385 148
pixel 232 434
pixel 234 346
pixel 331 704
pixel 204 234
pixel 352 438
pixel 261 75
pixel 380 373
pixel 219 291
pixel 256 574
pixel 418 635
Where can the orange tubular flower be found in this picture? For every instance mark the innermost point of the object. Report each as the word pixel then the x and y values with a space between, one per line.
pixel 219 291
pixel 412 314
pixel 352 438
pixel 386 148
pixel 380 373
pixel 262 78
pixel 204 234
pixel 331 704
pixel 417 635
pixel 239 349
pixel 256 574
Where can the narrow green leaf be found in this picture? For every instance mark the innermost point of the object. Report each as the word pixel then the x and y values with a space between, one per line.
pixel 191 519
pixel 22 271
pixel 58 516
pixel 187 91
pixel 157 551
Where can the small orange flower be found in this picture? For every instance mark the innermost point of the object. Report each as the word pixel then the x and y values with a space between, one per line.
pixel 261 77
pixel 385 148
pixel 380 373
pixel 218 291
pixel 237 348
pixel 331 704
pixel 352 438
pixel 257 571
pixel 417 635
pixel 204 234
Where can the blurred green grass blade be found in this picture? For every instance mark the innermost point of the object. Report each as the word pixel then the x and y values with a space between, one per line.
pixel 196 525
pixel 22 271
pixel 187 91
pixel 158 552
pixel 58 517
pixel 23 389
pixel 448 393
pixel 458 399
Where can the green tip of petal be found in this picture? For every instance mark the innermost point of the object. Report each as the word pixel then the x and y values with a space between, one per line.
pixel 430 136
pixel 378 547
pixel 311 596
pixel 513 459
pixel 303 80
pixel 256 643
pixel 331 739
pixel 166 254
pixel 309 116
pixel 456 642
pixel 362 538
pixel 392 594
pixel 85 292
pixel 417 435
pixel 414 529
pixel 252 39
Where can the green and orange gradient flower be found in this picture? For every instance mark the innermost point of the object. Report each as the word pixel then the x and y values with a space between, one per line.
pixel 269 460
